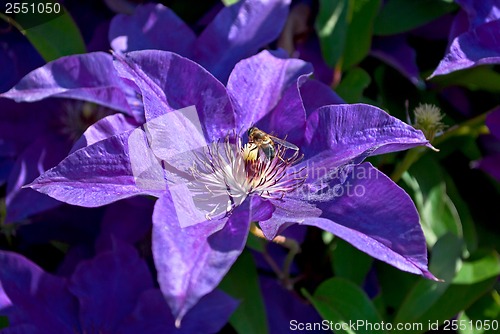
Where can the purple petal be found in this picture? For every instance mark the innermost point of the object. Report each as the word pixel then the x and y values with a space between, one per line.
pixel 239 31
pixel 287 212
pixel 40 298
pixel 283 306
pixel 473 48
pixel 316 94
pixel 127 220
pixel 257 84
pixel 20 125
pixel 95 175
pixel 77 77
pixel 43 154
pixel 108 287
pixel 490 165
pixel 68 224
pixel 288 119
pixel 480 12
pixel 192 261
pixel 310 51
pixel 493 122
pixel 22 329
pixel 210 314
pixel 105 128
pixel 376 216
pixel 343 133
pixel 395 51
pixel 180 83
pixel 152 26
pixel 152 315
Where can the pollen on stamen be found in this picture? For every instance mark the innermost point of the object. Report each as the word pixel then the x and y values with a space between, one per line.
pixel 229 172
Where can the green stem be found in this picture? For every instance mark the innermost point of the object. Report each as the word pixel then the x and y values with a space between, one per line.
pixel 410 158
pixel 12 22
pixel 466 128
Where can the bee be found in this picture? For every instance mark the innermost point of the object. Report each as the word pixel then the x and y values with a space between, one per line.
pixel 265 143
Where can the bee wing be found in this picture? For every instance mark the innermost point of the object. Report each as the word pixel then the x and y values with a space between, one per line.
pixel 284 143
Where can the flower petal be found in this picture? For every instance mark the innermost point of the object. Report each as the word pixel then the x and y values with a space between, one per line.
pixel 284 306
pixel 258 83
pixel 480 12
pixel 473 48
pixel 44 153
pixel 376 216
pixel 239 31
pixel 152 26
pixel 127 220
pixel 105 128
pixel 340 134
pixel 395 51
pixel 316 94
pixel 288 119
pixel 96 175
pixel 152 315
pixel 490 164
pixel 108 287
pixel 287 212
pixel 493 122
pixel 77 77
pixel 192 261
pixel 181 83
pixel 40 298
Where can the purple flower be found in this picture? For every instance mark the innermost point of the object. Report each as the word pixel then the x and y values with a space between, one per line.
pixel 395 51
pixel 35 137
pixel 491 163
pixel 211 185
pixel 237 32
pixel 473 38
pixel 111 293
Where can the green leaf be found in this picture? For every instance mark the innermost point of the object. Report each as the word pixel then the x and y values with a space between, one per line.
pixel 393 295
pixel 4 322
pixel 242 283
pixel 479 270
pixel 52 36
pixel 445 259
pixel 340 301
pixel 456 298
pixel 468 227
pixel 353 84
pixel 485 308
pixel 255 243
pixel 360 31
pixel 229 2
pixel 442 301
pixel 439 215
pixel 343 257
pixel 331 26
pixel 438 212
pixel 477 78
pixel 463 318
pixel 398 16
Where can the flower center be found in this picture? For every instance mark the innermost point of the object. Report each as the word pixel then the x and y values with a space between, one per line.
pixel 77 116
pixel 230 172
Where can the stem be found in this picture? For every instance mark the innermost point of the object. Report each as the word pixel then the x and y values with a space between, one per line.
pixel 12 22
pixel 463 129
pixel 411 157
pixel 293 247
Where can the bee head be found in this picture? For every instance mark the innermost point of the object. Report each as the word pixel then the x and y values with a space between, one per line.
pixel 251 130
